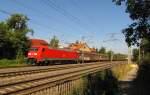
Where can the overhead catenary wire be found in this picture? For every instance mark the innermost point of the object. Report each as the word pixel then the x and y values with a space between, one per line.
pixel 59 9
pixel 31 20
pixel 4 12
pixel 84 12
pixel 87 16
pixel 66 14
pixel 30 8
pixel 43 15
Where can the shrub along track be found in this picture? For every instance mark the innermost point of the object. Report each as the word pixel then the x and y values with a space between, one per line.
pixel 22 83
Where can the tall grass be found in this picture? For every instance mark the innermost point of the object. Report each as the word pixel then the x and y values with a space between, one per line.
pixel 11 63
pixel 121 70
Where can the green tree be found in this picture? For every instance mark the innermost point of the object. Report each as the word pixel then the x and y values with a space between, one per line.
pixel 139 12
pixel 135 54
pixel 145 50
pixel 110 54
pixel 54 42
pixel 102 50
pixel 97 50
pixel 18 27
pixel 119 56
pixel 145 46
pixel 14 31
pixel 18 22
pixel 5 43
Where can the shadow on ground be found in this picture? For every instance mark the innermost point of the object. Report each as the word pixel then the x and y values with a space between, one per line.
pixel 141 84
pixel 124 87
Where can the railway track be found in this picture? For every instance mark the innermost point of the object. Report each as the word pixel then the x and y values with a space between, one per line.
pixel 23 82
pixel 11 72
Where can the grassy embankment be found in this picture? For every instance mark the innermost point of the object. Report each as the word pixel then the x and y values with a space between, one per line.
pixel 11 63
pixel 121 71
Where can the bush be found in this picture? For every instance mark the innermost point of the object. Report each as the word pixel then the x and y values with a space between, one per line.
pixel 100 83
pixel 143 72
pixel 142 81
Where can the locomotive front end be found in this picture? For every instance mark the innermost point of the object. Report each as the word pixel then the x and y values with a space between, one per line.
pixel 33 55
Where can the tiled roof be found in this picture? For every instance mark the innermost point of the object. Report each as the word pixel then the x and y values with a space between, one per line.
pixel 79 46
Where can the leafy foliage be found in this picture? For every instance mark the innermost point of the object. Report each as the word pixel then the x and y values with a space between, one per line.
pixel 54 42
pixel 145 45
pixel 119 56
pixel 5 42
pixel 100 83
pixel 102 50
pixel 135 53
pixel 139 12
pixel 13 37
pixel 18 22
pixel 110 54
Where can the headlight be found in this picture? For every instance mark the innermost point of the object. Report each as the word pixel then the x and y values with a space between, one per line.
pixel 35 53
pixel 29 53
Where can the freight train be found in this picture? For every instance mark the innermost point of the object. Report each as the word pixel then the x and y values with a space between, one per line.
pixel 43 55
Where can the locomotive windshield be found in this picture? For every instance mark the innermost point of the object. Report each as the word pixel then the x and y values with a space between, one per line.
pixel 33 49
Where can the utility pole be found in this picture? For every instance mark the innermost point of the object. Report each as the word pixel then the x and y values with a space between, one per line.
pixel 83 42
pixel 83 39
pixel 112 39
pixel 82 55
pixel 129 54
pixel 111 56
pixel 112 36
pixel 111 53
pixel 139 51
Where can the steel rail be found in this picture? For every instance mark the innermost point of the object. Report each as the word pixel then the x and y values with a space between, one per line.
pixel 7 81
pixel 30 70
pixel 51 78
pixel 63 79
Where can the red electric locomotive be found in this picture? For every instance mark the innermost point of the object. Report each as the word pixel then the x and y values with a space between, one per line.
pixel 44 55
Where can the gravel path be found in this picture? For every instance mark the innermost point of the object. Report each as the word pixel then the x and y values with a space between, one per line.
pixel 125 84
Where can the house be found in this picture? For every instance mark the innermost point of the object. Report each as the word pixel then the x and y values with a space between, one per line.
pixel 80 46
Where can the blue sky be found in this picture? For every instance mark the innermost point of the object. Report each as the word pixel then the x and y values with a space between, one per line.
pixel 71 20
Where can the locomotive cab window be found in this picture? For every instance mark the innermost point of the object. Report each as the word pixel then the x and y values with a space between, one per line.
pixel 34 49
pixel 43 49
